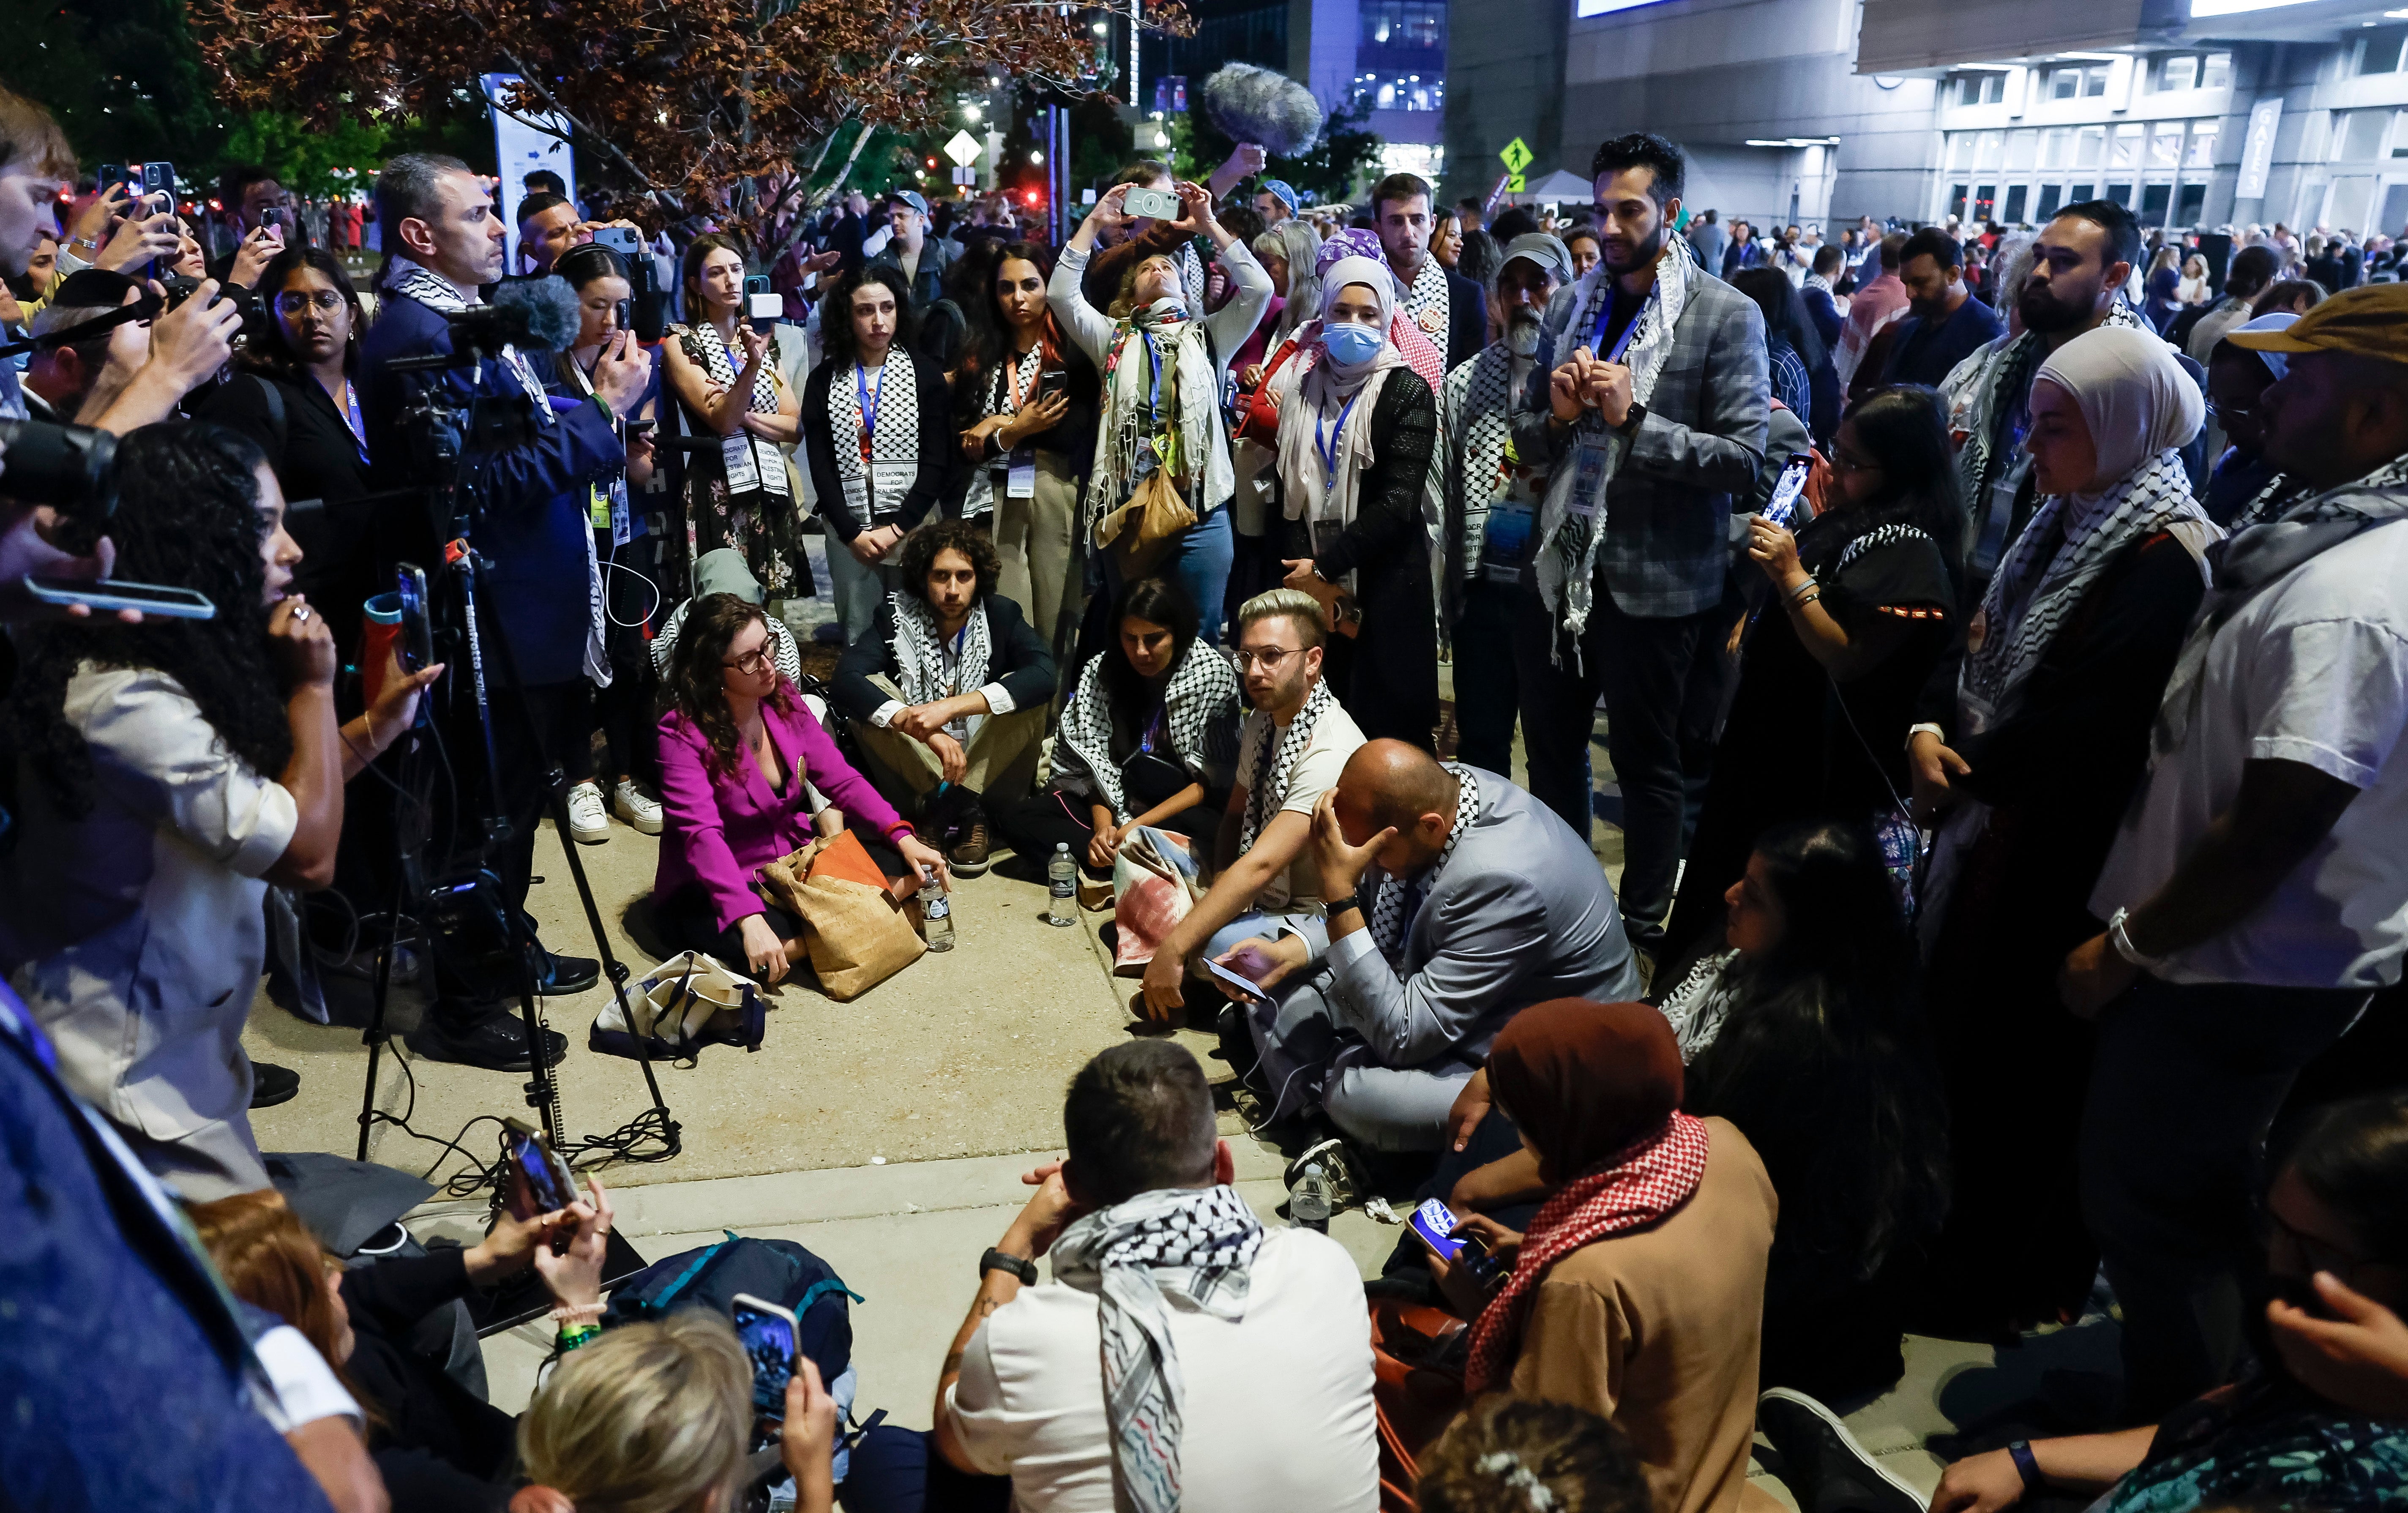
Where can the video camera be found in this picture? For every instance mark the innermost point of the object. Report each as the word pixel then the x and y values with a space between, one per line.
pixel 73 468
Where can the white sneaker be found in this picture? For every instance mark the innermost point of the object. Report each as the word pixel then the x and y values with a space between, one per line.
pixel 586 819
pixel 637 808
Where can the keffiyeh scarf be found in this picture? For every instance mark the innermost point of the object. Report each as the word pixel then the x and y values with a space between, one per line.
pixel 1566 551
pixel 1399 898
pixel 2031 596
pixel 1636 1186
pixel 1426 301
pixel 895 393
pixel 1267 784
pixel 1201 687
pixel 1160 336
pixel 1696 1008
pixel 919 648
pixel 1996 391
pixel 1197 1248
pixel 1479 413
pixel 2255 556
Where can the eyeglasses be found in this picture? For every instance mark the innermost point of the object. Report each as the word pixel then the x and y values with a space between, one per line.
pixel 1269 657
pixel 293 302
pixel 2219 412
pixel 1844 463
pixel 753 663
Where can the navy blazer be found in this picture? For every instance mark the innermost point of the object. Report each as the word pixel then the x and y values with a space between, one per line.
pixel 1467 323
pixel 536 526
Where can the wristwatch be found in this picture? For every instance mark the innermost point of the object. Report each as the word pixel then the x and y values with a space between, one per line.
pixel 1353 901
pixel 1004 1261
pixel 1631 422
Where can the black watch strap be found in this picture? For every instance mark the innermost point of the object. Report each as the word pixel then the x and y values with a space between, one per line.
pixel 1004 1261
pixel 1353 901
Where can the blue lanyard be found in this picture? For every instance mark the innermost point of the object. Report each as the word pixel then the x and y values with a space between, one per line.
pixel 359 427
pixel 1326 442
pixel 1605 318
pixel 869 398
pixel 1154 358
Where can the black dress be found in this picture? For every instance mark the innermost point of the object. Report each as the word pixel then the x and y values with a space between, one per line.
pixel 2058 774
pixel 438 1444
pixel 1799 745
pixel 1387 675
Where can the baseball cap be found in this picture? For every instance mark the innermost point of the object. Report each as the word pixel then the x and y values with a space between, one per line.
pixel 911 198
pixel 1278 189
pixel 1543 248
pixel 2277 363
pixel 2368 322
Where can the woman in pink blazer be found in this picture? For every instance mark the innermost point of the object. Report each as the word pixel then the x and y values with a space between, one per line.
pixel 741 755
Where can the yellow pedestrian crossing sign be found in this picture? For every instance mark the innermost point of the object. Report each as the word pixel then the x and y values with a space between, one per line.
pixel 1516 155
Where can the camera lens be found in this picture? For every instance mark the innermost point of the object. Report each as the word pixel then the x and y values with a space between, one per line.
pixel 73 467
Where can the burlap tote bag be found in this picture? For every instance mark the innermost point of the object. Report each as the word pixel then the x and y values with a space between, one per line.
pixel 858 935
pixel 1138 532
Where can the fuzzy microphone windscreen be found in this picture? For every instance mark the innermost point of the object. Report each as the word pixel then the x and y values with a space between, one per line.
pixel 547 306
pixel 1256 105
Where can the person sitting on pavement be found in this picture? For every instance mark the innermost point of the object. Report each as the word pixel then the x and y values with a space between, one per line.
pixel 659 1415
pixel 950 690
pixel 2334 1238
pixel 1147 737
pixel 743 765
pixel 1456 899
pixel 1236 1371
pixel 1290 751
pixel 438 1446
pixel 1636 1292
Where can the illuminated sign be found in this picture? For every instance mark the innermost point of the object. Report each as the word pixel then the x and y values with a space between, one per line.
pixel 2235 8
pixel 1602 8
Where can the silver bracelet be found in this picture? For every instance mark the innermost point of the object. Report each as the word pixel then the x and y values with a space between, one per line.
pixel 1798 594
pixel 2119 938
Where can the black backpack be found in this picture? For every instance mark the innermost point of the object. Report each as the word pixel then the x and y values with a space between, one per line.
pixel 780 1271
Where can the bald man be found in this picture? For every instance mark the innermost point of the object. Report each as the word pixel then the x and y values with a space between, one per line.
pixel 1455 900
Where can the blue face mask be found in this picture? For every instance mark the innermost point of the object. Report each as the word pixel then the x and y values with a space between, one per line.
pixel 1351 345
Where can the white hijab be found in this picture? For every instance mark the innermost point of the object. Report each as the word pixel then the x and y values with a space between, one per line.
pixel 1330 404
pixel 2132 393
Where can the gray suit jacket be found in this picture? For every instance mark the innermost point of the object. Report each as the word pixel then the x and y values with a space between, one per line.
pixel 1522 914
pixel 1668 510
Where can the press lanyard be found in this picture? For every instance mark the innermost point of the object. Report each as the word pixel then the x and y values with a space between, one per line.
pixel 1012 370
pixel 1326 442
pixel 868 397
pixel 1153 401
pixel 359 427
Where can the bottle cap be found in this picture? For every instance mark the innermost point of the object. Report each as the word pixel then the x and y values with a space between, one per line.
pixel 1313 1170
pixel 1061 845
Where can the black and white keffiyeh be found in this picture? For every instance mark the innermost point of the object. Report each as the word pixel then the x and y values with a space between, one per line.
pixel 919 652
pixel 1200 690
pixel 1478 411
pixel 895 394
pixel 1195 1247
pixel 2043 577
pixel 1567 545
pixel 1267 784
pixel 1026 372
pixel 1697 1007
pixel 1894 534
pixel 1425 300
pixel 2256 555
pixel 707 350
pixel 1389 916
pixel 1988 388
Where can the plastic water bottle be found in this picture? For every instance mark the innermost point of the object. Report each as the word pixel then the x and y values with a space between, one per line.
pixel 1061 886
pixel 937 915
pixel 1309 1206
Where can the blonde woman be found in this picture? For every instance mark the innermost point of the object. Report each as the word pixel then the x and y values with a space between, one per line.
pixel 2193 290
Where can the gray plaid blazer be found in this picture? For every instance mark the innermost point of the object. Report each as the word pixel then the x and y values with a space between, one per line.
pixel 1668 511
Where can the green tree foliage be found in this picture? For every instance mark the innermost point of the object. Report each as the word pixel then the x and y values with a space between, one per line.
pixel 122 77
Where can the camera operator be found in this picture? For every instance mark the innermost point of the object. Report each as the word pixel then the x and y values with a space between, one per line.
pixel 531 521
pixel 61 381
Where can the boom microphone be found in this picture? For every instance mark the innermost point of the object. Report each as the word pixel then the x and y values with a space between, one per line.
pixel 1256 105
pixel 542 313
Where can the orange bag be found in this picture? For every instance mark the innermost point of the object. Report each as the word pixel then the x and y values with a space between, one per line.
pixel 840 855
pixel 1258 411
pixel 1415 1403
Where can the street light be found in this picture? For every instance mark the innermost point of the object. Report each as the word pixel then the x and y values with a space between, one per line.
pixel 1038 158
pixel 971 112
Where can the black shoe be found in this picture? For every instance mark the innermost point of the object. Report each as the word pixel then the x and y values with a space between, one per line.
pixel 1823 1466
pixel 496 1042
pixel 566 976
pixel 273 1085
pixel 1644 934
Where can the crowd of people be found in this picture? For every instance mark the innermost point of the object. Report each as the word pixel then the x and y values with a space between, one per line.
pixel 2004 684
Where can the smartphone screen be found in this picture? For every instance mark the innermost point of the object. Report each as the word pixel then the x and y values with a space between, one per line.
pixel 1434 1224
pixel 417 639
pixel 1782 509
pixel 1244 985
pixel 767 1333
pixel 541 1183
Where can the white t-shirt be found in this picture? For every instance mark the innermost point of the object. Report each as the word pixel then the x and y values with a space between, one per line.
pixel 1335 736
pixel 1277 1412
pixel 2314 669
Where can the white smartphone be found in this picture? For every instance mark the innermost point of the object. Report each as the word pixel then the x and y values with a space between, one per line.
pixel 1153 204
pixel 771 1338
pixel 110 595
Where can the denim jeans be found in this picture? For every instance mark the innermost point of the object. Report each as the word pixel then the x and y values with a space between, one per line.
pixel 1198 563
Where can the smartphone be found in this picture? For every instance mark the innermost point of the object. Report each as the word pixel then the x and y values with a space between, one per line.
pixel 540 1181
pixel 642 427
pixel 1433 1223
pixel 618 238
pixel 1052 381
pixel 757 283
pixel 1247 985
pixel 160 179
pixel 769 1337
pixel 1788 493
pixel 1153 204
pixel 108 595
pixel 417 636
pixel 111 173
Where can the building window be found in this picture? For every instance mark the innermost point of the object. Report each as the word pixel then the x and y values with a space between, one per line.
pixel 2165 145
pixel 2217 74
pixel 1987 148
pixel 2154 200
pixel 2203 145
pixel 2191 204
pixel 2400 135
pixel 1986 203
pixel 2051 196
pixel 2121 195
pixel 2056 148
pixel 2376 51
pixel 2014 204
pixel 2089 143
pixel 2076 194
pixel 2180 72
pixel 1956 201
pixel 2021 148
pixel 2124 152
pixel 2094 81
pixel 1960 150
pixel 1984 88
pixel 2064 83
pixel 1404 24
pixel 2364 137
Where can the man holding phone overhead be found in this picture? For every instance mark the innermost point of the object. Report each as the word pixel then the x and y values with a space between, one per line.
pixel 262 211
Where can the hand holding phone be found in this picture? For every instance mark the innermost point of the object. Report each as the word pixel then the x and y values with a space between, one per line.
pixel 540 1182
pixel 1150 204
pixel 771 1341
pixel 1246 988
pixel 1781 508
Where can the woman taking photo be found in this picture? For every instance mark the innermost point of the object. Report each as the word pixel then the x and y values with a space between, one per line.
pixel 1162 381
pixel 627 556
pixel 739 756
pixel 878 433
pixel 1032 441
pixel 1860 606
pixel 2066 661
pixel 1147 737
pixel 151 827
pixel 1357 427
pixel 293 398
pixel 727 385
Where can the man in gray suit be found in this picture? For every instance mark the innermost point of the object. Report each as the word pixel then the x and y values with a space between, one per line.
pixel 1648 408
pixel 1455 900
